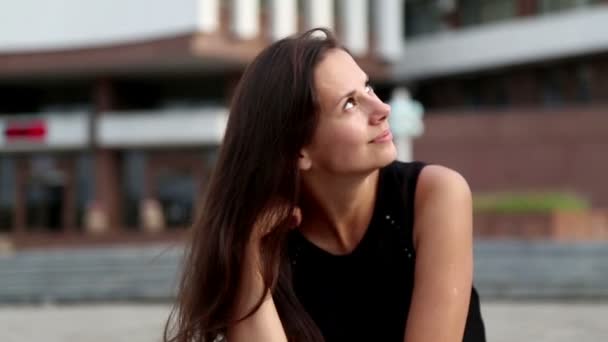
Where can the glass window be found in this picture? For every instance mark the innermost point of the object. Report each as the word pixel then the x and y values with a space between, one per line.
pixel 421 17
pixel 469 13
pixel 7 193
pixel 176 193
pixel 44 191
pixel 134 163
pixel 552 95
pixel 472 91
pixel 475 12
pixel 584 75
pixel 524 87
pixel 491 91
pixel 496 10
pixel 85 180
pixel 598 80
pixel 559 5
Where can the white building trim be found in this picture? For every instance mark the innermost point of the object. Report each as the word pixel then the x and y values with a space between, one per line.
pixel 35 25
pixel 178 127
pixel 577 32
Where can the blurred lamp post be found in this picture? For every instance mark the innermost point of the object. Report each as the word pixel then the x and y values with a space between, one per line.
pixel 406 122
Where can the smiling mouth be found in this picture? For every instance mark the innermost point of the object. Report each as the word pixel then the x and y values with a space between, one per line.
pixel 385 136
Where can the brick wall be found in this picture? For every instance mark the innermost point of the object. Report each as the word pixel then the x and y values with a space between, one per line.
pixel 526 149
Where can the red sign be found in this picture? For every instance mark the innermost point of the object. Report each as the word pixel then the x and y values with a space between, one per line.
pixel 35 130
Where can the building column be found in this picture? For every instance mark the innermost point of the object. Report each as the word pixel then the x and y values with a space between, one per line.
pixel 107 167
pixel 354 25
pixel 319 13
pixel 388 28
pixel 283 18
pixel 208 15
pixel 245 18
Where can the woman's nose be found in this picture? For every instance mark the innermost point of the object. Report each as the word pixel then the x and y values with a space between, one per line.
pixel 379 111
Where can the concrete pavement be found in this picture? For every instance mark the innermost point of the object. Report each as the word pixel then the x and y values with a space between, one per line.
pixel 505 322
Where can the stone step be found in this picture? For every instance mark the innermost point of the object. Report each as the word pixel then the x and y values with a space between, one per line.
pixel 503 270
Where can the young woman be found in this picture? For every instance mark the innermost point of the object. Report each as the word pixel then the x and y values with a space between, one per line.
pixel 311 231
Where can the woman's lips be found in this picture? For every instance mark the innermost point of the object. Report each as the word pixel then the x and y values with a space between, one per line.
pixel 384 137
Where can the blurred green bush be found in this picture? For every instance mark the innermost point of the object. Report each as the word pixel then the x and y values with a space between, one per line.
pixel 526 203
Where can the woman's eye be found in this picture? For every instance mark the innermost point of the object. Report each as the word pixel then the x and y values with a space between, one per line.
pixel 350 103
pixel 369 88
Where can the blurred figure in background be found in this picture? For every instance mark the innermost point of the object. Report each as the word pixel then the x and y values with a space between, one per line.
pixel 406 122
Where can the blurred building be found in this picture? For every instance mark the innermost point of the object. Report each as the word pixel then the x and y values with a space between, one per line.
pixel 515 91
pixel 111 112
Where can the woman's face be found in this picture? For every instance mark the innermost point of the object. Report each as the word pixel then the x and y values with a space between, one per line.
pixel 353 134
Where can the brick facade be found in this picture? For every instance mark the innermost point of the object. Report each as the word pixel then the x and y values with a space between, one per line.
pixel 521 150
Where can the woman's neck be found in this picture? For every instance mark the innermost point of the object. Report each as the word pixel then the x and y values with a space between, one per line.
pixel 337 210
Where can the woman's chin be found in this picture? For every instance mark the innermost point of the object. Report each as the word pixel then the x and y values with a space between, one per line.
pixel 388 153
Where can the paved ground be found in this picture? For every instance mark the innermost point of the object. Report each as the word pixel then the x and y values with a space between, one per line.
pixel 505 322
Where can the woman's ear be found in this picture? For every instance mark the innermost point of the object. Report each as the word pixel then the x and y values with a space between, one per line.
pixel 304 161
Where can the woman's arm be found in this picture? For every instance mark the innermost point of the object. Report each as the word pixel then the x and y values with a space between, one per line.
pixel 444 257
pixel 265 324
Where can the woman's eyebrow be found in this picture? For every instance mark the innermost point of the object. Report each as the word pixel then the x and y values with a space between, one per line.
pixel 352 92
pixel 349 94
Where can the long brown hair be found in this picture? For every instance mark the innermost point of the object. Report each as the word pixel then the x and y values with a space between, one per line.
pixel 274 113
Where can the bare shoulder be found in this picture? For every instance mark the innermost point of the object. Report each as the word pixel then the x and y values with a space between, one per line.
pixel 444 256
pixel 437 180
pixel 443 200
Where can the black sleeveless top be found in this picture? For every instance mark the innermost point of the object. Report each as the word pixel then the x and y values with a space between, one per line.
pixel 366 295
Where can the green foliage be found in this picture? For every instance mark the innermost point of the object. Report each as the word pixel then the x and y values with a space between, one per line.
pixel 525 203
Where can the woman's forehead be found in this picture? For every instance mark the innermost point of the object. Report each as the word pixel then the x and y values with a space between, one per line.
pixel 336 75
